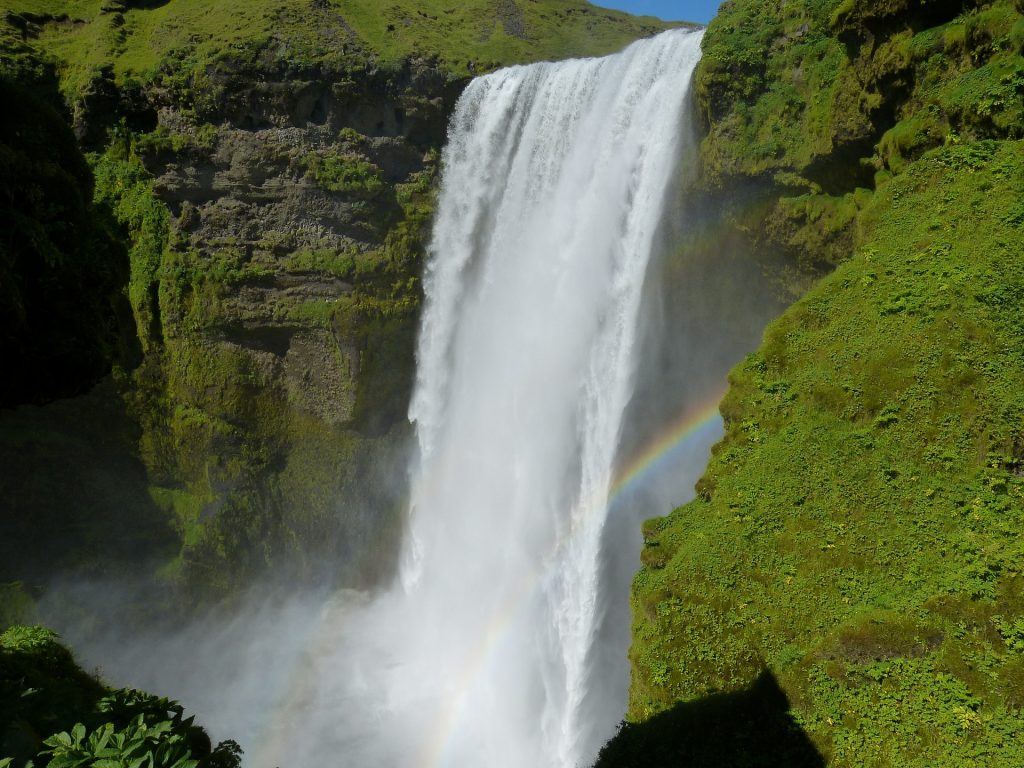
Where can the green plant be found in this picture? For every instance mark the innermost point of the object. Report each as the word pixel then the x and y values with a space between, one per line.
pixel 349 174
pixel 159 745
pixel 43 691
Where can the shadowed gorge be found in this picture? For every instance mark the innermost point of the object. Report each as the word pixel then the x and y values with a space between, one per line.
pixel 62 266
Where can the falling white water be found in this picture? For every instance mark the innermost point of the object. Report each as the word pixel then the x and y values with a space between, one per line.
pixel 554 181
pixel 486 651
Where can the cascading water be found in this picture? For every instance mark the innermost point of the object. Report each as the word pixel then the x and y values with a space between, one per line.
pixel 489 650
pixel 554 181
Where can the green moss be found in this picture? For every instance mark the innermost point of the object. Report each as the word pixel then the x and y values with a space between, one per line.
pixel 819 227
pixel 346 173
pixel 908 138
pixel 815 85
pixel 180 44
pixel 202 138
pixel 857 530
pixel 768 79
pixel 125 187
pixel 184 508
pixel 317 313
pixel 341 264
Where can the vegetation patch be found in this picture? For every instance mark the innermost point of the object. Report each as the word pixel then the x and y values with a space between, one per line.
pixel 345 173
pixel 182 46
pixel 857 531
pixel 125 188
pixel 43 691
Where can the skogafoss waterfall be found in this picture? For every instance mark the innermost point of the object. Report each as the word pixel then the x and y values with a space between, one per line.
pixel 488 651
pixel 554 182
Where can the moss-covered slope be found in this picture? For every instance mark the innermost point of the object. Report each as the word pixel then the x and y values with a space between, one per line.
pixel 808 102
pixel 140 42
pixel 858 530
pixel 857 534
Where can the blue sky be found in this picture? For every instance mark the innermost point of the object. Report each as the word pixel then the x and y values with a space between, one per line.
pixel 670 10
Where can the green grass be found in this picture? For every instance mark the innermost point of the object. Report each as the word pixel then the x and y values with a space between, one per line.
pixel 475 31
pixel 784 90
pixel 858 528
pixel 175 43
pixel 345 172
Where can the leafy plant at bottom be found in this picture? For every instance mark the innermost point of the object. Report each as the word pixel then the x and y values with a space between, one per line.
pixel 137 746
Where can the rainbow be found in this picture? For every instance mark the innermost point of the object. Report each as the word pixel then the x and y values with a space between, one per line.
pixel 658 449
pixel 654 456
pixel 648 460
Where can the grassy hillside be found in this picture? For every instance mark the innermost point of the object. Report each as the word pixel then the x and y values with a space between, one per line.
pixel 856 536
pixel 858 530
pixel 142 42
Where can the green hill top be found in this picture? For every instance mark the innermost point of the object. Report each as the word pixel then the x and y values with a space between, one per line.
pixel 139 39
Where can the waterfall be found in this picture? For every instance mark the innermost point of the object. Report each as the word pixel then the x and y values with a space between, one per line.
pixel 553 184
pixel 492 649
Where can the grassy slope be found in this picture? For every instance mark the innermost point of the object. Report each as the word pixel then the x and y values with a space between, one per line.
pixel 857 532
pixel 189 34
pixel 473 31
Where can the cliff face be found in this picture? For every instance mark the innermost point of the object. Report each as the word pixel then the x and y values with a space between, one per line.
pixel 280 318
pixel 855 540
pixel 270 168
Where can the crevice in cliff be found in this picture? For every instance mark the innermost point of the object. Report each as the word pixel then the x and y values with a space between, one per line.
pixel 857 24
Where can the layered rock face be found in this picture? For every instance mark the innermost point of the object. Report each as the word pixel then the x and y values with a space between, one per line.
pixel 286 304
pixel 276 235
pixel 275 220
